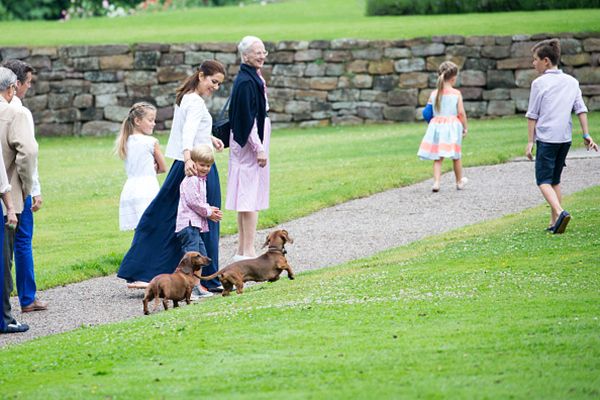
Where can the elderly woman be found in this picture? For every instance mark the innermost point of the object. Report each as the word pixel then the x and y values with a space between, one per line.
pixel 155 248
pixel 248 179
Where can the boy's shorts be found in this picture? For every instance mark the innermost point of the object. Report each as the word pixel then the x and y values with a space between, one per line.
pixel 190 240
pixel 549 162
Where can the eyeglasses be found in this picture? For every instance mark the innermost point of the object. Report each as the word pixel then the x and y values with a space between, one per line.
pixel 261 53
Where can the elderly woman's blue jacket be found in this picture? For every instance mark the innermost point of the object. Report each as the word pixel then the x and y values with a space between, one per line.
pixel 247 104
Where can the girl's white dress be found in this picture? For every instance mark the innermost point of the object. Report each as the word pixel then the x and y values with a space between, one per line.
pixel 142 185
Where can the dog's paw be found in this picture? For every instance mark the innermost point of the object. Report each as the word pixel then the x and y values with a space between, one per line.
pixel 292 277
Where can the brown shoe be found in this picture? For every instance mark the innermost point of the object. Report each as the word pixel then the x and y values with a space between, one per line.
pixel 37 305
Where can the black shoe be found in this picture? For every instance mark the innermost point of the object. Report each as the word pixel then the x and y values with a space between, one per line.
pixel 216 289
pixel 15 327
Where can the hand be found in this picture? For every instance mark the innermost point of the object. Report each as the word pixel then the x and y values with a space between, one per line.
pixel 37 203
pixel 261 158
pixel 217 143
pixel 590 144
pixel 190 168
pixel 11 218
pixel 464 133
pixel 528 151
pixel 216 214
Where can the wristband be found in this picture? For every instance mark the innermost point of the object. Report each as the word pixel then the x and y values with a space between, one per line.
pixel 586 136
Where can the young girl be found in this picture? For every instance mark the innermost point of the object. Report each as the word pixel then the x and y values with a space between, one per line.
pixel 193 211
pixel 143 160
pixel 447 127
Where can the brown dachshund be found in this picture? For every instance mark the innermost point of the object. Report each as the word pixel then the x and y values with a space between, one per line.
pixel 178 285
pixel 267 267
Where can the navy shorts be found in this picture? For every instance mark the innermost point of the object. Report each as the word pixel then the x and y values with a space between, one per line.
pixel 550 161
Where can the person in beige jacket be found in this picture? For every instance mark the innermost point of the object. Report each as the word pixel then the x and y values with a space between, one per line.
pixel 19 154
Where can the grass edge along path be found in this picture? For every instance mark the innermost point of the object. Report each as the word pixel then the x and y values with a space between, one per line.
pixel 493 310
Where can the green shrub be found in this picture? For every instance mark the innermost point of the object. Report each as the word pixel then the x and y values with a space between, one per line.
pixel 422 7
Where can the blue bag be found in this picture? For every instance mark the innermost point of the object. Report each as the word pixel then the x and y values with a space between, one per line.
pixel 428 112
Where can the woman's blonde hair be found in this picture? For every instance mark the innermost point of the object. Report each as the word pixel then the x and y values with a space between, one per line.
pixel 446 71
pixel 202 153
pixel 138 110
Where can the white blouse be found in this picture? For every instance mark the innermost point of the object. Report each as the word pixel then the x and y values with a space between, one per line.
pixel 192 125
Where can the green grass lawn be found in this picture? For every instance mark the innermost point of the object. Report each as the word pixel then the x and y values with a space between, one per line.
pixel 494 310
pixel 77 232
pixel 289 20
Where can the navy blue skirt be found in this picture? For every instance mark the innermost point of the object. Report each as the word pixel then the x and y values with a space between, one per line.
pixel 155 249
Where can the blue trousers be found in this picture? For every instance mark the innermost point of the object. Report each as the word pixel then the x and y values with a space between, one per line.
pixel 155 248
pixel 5 289
pixel 26 287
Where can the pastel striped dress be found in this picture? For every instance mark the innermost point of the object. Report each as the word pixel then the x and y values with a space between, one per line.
pixel 443 138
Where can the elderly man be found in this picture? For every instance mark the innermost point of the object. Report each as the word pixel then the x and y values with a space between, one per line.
pixel 23 252
pixel 19 154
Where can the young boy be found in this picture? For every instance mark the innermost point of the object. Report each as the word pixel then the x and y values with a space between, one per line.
pixel 554 95
pixel 193 210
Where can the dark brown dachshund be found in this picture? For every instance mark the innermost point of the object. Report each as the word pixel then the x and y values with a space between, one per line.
pixel 178 285
pixel 267 267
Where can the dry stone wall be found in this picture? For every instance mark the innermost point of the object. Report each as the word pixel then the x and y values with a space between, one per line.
pixel 87 90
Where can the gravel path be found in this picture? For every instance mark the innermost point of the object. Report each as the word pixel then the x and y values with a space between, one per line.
pixel 348 231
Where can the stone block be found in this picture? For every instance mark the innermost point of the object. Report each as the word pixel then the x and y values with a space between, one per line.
pixel 83 101
pixel 174 73
pixel 515 63
pixel 396 52
pixel 309 95
pixel 464 51
pixel 367 54
pixel 160 47
pixel 146 59
pixel 406 113
pixel 107 50
pixel 36 103
pixel 357 66
pixel 521 38
pixel 480 40
pixel 343 95
pixel 587 75
pixel 424 95
pixel 428 49
pixel 289 70
pixel 414 80
pixel 475 109
pixel 344 82
pixel 297 107
pixel 140 78
pixel 385 83
pixel 196 58
pixel 292 45
pixel 501 107
pixel 349 44
pixel 472 78
pixel 171 59
pixel 495 52
pixel 346 120
pixel 373 96
pixel 570 46
pixel 60 100
pixel 74 86
pixel 51 52
pixel 521 98
pixel 336 56
pixel 334 69
pixel 362 81
pixel 138 91
pixel 591 44
pixel 221 47
pixel 403 97
pixel 409 64
pixel 314 123
pixel 164 113
pixel 103 76
pixel 593 103
pixel 105 88
pixel 322 114
pixel 116 113
pixel 91 114
pixel 308 55
pixel 14 52
pixel 323 83
pixel 99 128
pixel 319 44
pixel 59 116
pixel 281 57
pixel 590 90
pixel 86 63
pixel 480 64
pixel 524 77
pixel 315 69
pixel 433 63
pixel 184 47
pixel 103 100
pixel 288 82
pixel 504 40
pixel 496 94
pixel 118 62
pixel 163 89
pixel 40 63
pixel 453 39
pixel 54 130
pixel 226 58
pixel 471 93
pixel 382 67
pixel 372 113
pixel 279 117
pixel 522 49
pixel 576 60
pixel 500 79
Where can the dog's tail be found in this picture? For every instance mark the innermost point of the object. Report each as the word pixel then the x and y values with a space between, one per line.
pixel 208 278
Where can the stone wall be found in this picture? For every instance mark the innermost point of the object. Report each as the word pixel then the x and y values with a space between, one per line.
pixel 88 89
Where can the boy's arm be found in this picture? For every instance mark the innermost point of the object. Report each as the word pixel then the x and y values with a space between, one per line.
pixel 531 137
pixel 587 139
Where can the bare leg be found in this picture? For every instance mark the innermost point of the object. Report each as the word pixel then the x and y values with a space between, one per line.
pixel 437 174
pixel 247 221
pixel 457 170
pixel 553 196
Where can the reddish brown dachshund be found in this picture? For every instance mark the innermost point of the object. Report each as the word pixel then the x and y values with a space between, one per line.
pixel 267 267
pixel 178 285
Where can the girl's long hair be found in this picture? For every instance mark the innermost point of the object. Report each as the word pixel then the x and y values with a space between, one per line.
pixel 138 110
pixel 207 68
pixel 446 71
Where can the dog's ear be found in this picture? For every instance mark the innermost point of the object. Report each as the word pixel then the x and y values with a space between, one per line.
pixel 267 241
pixel 185 265
pixel 286 236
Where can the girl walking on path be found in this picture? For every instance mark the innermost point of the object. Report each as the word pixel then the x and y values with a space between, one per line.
pixel 447 128
pixel 155 248
pixel 143 160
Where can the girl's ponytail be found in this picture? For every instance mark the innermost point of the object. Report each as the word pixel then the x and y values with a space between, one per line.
pixel 446 71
